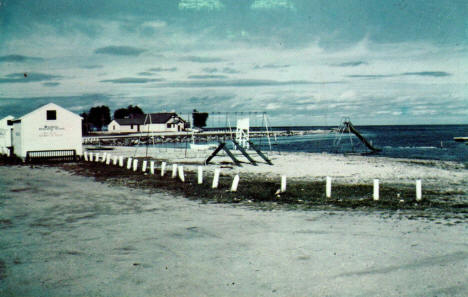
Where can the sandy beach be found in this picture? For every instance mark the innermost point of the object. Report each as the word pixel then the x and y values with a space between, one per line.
pixel 348 169
pixel 68 235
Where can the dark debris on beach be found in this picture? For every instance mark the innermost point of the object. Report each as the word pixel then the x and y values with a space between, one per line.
pixel 262 193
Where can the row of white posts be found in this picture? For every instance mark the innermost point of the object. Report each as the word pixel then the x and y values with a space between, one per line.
pixel 178 171
pixel 328 188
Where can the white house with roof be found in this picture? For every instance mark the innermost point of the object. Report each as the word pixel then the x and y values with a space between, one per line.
pixel 50 128
pixel 127 125
pixel 164 122
pixel 5 135
pixel 152 122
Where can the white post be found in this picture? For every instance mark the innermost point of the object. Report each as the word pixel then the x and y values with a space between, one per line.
pixel 283 184
pixel 376 190
pixel 129 163
pixel 181 173
pixel 235 183
pixel 104 157
pixel 85 156
pixel 91 157
pixel 97 158
pixel 152 167
pixel 328 187
pixel 418 190
pixel 114 160
pixel 135 164
pixel 174 170
pixel 108 158
pixel 143 166
pixel 216 178
pixel 163 168
pixel 121 163
pixel 200 175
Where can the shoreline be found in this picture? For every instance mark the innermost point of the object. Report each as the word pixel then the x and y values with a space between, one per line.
pixel 261 191
pixel 444 191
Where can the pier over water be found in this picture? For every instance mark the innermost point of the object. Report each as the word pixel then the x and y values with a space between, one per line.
pixel 184 136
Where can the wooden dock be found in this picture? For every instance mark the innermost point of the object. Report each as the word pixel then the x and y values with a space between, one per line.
pixel 184 136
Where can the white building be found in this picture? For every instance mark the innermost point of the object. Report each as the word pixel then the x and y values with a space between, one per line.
pixel 152 122
pixel 164 122
pixel 5 135
pixel 49 128
pixel 127 125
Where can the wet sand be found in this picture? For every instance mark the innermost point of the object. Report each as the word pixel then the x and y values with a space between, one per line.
pixel 68 235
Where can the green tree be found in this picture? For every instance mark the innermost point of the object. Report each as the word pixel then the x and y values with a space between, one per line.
pixel 199 118
pixel 85 125
pixel 129 112
pixel 99 116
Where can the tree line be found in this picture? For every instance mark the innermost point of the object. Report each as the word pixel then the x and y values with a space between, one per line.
pixel 99 116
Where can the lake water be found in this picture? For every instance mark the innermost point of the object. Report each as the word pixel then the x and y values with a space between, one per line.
pixel 433 142
pixel 417 141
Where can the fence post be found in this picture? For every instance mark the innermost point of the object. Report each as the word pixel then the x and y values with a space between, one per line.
pixel 108 158
pixel 114 160
pixel 143 166
pixel 376 190
pixel 418 190
pixel 91 157
pixel 200 175
pixel 152 167
pixel 96 159
pixel 121 163
pixel 163 168
pixel 181 173
pixel 283 184
pixel 328 187
pixel 174 170
pixel 235 183
pixel 216 178
pixel 135 164
pixel 129 163
pixel 85 156
pixel 104 157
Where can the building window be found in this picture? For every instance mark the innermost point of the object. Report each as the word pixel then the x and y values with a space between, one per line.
pixel 51 115
pixel 131 126
pixel 168 125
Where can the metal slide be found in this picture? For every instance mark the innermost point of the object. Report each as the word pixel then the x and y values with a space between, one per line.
pixel 356 132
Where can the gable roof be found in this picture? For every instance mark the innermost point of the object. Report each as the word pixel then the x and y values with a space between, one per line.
pixel 153 118
pixel 140 120
pixel 5 120
pixel 161 117
pixel 49 106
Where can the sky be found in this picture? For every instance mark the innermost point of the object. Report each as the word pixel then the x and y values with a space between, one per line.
pixel 304 62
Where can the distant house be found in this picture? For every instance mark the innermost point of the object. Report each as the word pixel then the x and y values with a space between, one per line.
pixel 152 122
pixel 5 135
pixel 164 122
pixel 49 128
pixel 127 125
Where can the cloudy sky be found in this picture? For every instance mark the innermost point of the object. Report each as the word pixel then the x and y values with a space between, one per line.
pixel 305 62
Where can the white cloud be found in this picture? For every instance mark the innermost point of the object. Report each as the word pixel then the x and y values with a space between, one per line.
pixel 273 4
pixel 154 24
pixel 201 5
pixel 273 106
pixel 349 94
